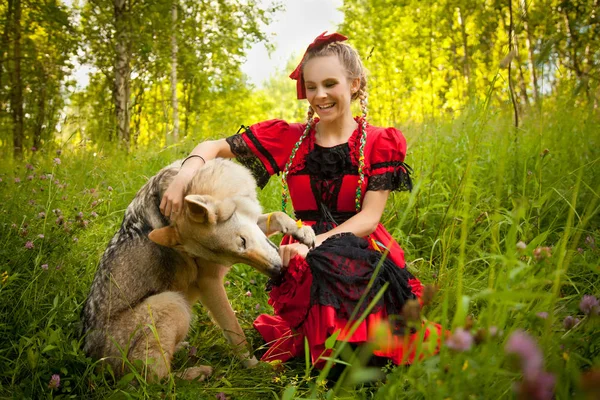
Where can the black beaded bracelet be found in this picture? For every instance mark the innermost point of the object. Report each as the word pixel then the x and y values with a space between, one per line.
pixel 193 155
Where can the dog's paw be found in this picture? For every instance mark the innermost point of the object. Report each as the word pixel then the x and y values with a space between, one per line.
pixel 182 345
pixel 250 362
pixel 200 372
pixel 305 235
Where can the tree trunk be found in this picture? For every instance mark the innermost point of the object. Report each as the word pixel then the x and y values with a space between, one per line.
pixel 466 66
pixel 122 70
pixel 41 117
pixel 187 96
pixel 4 50
pixel 16 95
pixel 174 71
pixel 522 84
pixel 529 43
pixel 510 48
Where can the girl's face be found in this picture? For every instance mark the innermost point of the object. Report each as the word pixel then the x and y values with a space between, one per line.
pixel 328 89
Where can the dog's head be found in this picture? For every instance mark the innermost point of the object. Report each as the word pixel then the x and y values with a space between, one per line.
pixel 221 231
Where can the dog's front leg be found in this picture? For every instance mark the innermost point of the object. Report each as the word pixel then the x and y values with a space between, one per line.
pixel 214 298
pixel 278 221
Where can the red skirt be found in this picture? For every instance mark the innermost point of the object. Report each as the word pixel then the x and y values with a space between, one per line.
pixel 317 295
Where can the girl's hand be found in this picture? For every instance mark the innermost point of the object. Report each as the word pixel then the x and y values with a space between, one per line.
pixel 172 200
pixel 289 251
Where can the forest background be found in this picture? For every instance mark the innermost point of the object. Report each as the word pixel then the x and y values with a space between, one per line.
pixel 499 100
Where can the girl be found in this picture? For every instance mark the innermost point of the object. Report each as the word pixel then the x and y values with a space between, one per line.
pixel 338 172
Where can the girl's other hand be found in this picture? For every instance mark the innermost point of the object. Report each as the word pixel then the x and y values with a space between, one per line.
pixel 289 251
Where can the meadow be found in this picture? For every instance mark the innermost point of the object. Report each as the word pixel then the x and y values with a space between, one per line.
pixel 503 221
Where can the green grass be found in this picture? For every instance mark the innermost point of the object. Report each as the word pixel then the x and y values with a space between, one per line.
pixel 480 187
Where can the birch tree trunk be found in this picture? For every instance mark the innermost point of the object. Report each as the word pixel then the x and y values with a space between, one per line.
pixel 466 66
pixel 174 71
pixel 122 71
pixel 16 92
pixel 529 43
pixel 4 48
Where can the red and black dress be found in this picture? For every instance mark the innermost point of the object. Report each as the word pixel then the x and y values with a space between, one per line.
pixel 317 295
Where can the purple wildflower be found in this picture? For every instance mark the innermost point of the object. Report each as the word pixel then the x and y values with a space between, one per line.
pixel 569 322
pixel 249 293
pixel 589 240
pixel 523 345
pixel 94 214
pixel 43 177
pixel 41 236
pixel 493 330
pixel 79 215
pixel 521 245
pixel 94 203
pixel 541 253
pixel 110 189
pixel 589 305
pixel 45 267
pixel 227 283
pixel 542 315
pixel 13 226
pixel 54 382
pixel 192 351
pixel 42 215
pixel 461 340
pixel 56 161
pixel 29 245
pixel 221 396
pixel 580 250
pixel 33 148
pixel 538 387
pixel 17 180
pixel 30 177
pixel 257 307
pixel 29 167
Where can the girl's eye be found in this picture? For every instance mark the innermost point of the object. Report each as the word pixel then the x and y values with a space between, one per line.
pixel 243 243
pixel 332 84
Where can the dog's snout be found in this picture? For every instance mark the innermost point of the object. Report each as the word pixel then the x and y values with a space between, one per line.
pixel 274 271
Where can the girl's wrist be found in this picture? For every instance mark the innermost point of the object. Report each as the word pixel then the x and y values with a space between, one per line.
pixel 192 164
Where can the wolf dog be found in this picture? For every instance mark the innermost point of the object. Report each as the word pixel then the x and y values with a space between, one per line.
pixel 155 269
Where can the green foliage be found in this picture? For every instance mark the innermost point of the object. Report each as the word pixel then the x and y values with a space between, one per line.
pixel 430 58
pixel 480 187
pixel 48 40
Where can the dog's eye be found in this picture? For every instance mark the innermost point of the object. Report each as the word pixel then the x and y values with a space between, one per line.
pixel 243 243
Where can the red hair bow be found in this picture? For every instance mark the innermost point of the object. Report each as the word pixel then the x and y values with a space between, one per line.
pixel 320 41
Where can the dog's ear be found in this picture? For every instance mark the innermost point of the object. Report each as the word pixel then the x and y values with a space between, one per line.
pixel 225 209
pixel 202 208
pixel 166 236
pixel 206 209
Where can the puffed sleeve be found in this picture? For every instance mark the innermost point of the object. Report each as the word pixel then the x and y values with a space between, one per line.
pixel 265 147
pixel 386 169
